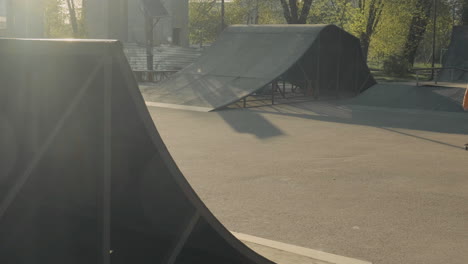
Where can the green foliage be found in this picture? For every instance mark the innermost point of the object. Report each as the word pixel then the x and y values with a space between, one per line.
pixel 255 12
pixel 205 16
pixel 339 12
pixel 204 23
pixel 55 16
pixel 396 65
pixel 389 38
pixel 392 33
pixel 445 22
pixel 57 20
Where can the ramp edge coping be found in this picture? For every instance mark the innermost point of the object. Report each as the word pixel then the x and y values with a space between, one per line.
pixel 306 252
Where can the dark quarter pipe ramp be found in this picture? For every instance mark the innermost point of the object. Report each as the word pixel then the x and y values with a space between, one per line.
pixel 456 57
pixel 84 175
pixel 321 59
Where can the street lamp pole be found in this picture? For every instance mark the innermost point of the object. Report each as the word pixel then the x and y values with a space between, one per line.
pixel 223 24
pixel 434 39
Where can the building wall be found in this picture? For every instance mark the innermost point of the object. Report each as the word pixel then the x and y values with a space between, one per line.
pixel 3 15
pixel 168 30
pixel 179 20
pixel 124 20
pixel 136 22
pixel 106 19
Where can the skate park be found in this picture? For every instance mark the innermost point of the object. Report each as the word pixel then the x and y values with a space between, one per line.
pixel 379 154
pixel 372 174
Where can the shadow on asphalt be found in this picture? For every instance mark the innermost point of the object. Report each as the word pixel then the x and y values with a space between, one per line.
pixel 249 122
pixel 440 122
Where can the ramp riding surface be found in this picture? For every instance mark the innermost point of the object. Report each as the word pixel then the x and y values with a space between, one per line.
pixel 405 96
pixel 323 59
pixel 85 176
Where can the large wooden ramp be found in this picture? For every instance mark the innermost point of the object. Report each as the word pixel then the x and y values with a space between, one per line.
pixel 84 174
pixel 321 58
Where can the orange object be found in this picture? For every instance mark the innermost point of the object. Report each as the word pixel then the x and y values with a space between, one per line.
pixel 465 100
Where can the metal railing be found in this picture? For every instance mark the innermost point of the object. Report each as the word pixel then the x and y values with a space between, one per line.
pixel 421 71
pixel 152 76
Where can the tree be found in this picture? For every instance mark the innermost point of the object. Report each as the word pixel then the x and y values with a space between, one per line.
pixel 372 14
pixel 55 17
pixel 444 25
pixel 255 12
pixel 338 12
pixel 152 11
pixel 417 29
pixel 64 18
pixel 360 17
pixel 73 19
pixel 247 11
pixel 203 24
pixel 296 11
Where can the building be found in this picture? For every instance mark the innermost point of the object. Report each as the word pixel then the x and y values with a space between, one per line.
pixel 114 19
pixel 2 18
pixel 124 20
pixel 22 18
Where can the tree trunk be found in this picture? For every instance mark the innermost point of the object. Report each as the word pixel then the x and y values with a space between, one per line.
pixel 73 19
pixel 417 29
pixel 373 19
pixel 291 11
pixel 149 26
pixel 305 11
pixel 365 44
pixel 223 22
pixel 84 9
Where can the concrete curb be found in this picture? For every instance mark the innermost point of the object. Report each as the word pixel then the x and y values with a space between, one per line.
pixel 181 107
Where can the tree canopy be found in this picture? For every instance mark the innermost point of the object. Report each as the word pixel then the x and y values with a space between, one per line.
pixel 385 28
pixel 64 18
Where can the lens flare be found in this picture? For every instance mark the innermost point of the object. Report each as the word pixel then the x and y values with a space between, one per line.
pixel 8 147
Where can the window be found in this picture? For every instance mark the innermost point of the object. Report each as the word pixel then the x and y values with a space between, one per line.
pixel 3 15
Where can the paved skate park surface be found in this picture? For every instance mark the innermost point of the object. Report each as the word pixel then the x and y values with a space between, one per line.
pixel 380 184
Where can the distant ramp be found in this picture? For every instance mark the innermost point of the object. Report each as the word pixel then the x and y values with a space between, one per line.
pixel 323 59
pixel 456 57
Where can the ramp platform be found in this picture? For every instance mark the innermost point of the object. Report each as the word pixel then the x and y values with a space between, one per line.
pixel 456 59
pixel 84 174
pixel 405 96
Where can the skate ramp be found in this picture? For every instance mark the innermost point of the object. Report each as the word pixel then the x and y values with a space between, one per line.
pixel 456 57
pixel 84 174
pixel 412 97
pixel 246 58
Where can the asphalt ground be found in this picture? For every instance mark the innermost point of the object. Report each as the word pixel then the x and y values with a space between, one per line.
pixel 383 185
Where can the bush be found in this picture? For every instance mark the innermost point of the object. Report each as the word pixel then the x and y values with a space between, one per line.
pixel 396 66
